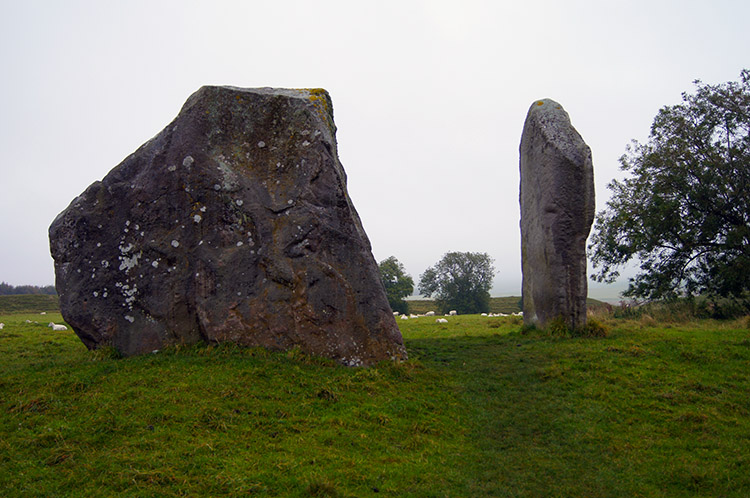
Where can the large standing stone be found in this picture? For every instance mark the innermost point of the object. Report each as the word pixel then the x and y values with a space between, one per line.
pixel 557 210
pixel 232 224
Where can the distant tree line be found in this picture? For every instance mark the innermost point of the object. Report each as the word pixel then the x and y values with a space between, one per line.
pixel 7 290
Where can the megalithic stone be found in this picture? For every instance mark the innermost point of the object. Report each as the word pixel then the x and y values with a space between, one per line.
pixel 233 224
pixel 557 210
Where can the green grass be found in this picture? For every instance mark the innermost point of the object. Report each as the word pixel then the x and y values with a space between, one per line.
pixel 29 303
pixel 507 305
pixel 480 409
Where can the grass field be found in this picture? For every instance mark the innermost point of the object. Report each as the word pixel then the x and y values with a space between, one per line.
pixel 507 305
pixel 29 303
pixel 480 409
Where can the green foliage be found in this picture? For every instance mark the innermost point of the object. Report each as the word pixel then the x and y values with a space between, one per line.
pixel 460 281
pixel 682 309
pixel 683 214
pixel 7 290
pixel 398 284
pixel 478 410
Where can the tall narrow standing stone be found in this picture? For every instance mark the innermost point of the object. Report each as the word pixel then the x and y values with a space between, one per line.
pixel 231 225
pixel 557 210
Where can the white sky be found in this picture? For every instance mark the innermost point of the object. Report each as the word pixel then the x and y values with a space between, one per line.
pixel 429 99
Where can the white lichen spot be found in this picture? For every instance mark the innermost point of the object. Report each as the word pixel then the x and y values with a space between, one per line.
pixel 197 218
pixel 239 243
pixel 188 161
pixel 96 294
pixel 98 244
pixel 305 143
pixel 172 168
pixel 239 202
pixel 155 264
pixel 129 318
pixel 127 263
pixel 217 187
pixel 105 263
pixel 261 144
pixel 175 243
pixel 203 209
pixel 290 202
pixel 200 243
pixel 127 223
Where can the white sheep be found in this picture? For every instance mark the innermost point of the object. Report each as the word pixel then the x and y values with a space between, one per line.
pixel 57 327
pixel 1 326
pixel 441 320
pixel 430 313
pixel 452 313
pixel 404 317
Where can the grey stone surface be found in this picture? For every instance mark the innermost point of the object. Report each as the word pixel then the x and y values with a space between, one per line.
pixel 557 210
pixel 232 224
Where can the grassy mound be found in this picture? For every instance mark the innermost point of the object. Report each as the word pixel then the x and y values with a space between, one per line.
pixel 29 303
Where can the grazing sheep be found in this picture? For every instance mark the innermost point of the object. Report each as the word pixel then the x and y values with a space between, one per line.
pixel 430 313
pixel 1 326
pixel 404 317
pixel 441 320
pixel 57 327
pixel 452 313
pixel 43 313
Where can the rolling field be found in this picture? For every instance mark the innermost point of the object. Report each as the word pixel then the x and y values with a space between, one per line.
pixel 480 409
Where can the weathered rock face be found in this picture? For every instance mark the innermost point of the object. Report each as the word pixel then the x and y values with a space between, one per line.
pixel 232 224
pixel 557 210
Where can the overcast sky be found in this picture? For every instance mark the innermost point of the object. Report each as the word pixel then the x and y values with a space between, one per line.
pixel 429 99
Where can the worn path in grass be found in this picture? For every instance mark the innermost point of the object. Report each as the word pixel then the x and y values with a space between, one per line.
pixel 649 411
pixel 479 410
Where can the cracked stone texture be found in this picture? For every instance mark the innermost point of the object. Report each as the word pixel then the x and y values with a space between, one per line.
pixel 232 224
pixel 557 210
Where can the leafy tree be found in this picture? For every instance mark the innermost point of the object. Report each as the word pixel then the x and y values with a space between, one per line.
pixel 7 289
pixel 684 213
pixel 460 281
pixel 398 284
